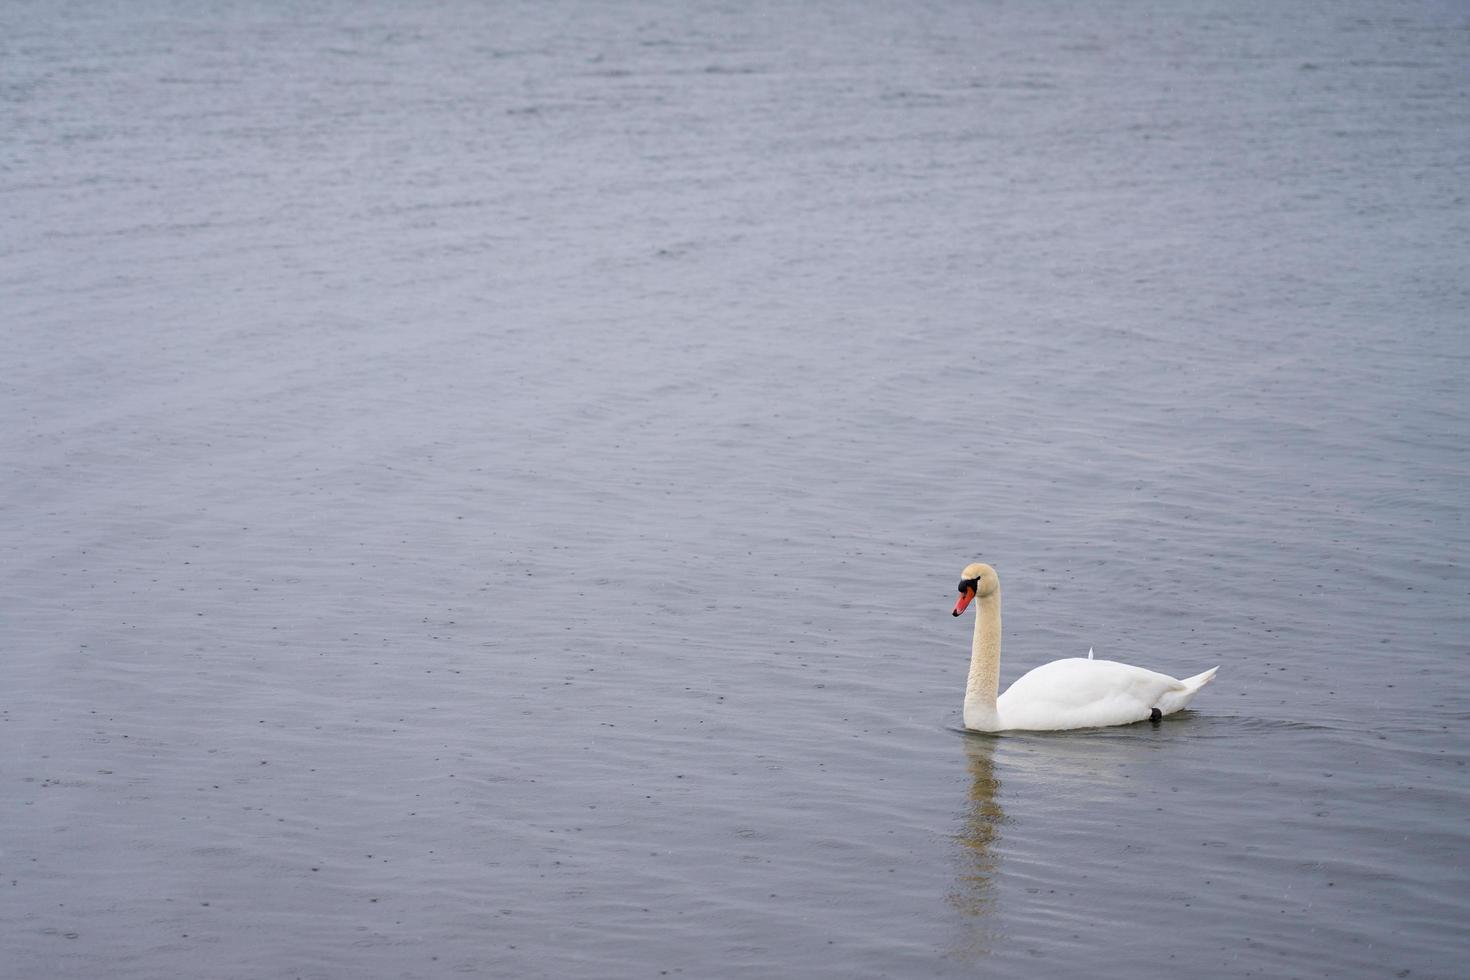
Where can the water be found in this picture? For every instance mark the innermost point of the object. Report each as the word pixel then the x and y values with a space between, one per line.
pixel 485 484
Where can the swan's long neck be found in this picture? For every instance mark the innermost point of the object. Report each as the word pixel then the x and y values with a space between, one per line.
pixel 983 685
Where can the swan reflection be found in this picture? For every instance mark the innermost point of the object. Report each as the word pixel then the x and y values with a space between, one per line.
pixel 975 891
pixel 1045 769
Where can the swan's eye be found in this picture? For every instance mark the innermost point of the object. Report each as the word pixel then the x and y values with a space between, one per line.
pixel 969 585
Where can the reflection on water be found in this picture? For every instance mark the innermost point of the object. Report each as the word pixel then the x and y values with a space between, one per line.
pixel 974 893
pixel 1091 766
pixel 1075 773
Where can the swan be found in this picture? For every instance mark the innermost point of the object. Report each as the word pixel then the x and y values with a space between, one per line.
pixel 1076 692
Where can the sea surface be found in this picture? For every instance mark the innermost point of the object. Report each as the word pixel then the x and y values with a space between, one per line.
pixel 484 484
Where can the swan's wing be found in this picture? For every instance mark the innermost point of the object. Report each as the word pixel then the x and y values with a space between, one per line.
pixel 1082 693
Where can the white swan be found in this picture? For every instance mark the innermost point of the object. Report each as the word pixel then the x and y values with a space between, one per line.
pixel 1073 693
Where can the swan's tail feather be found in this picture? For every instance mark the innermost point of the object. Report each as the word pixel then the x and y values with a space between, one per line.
pixel 1176 700
pixel 1199 680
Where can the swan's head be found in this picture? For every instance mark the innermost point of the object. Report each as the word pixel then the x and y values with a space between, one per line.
pixel 978 579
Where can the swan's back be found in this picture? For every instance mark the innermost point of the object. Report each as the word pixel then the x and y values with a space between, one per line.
pixel 1081 693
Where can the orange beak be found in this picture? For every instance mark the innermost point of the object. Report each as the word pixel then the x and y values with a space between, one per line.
pixel 964 601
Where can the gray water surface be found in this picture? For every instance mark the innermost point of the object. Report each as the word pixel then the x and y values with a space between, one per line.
pixel 484 485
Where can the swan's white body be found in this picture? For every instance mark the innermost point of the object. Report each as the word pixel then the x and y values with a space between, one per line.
pixel 1078 692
